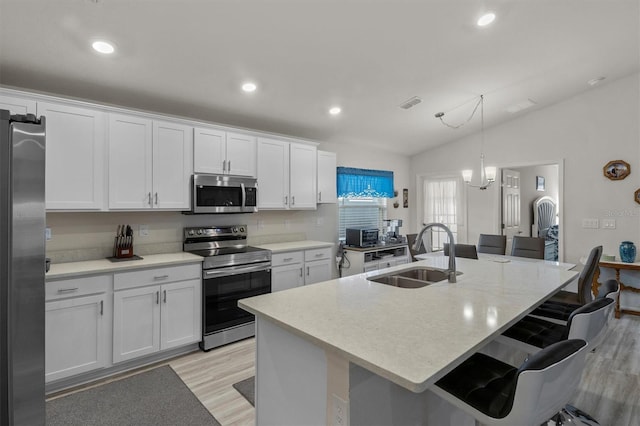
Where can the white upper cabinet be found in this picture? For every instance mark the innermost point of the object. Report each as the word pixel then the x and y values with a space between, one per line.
pixel 286 175
pixel 74 157
pixel 172 165
pixel 219 152
pixel 17 105
pixel 327 189
pixel 149 163
pixel 303 176
pixel 273 174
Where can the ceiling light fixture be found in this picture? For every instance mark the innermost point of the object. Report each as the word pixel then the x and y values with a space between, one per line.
pixel 486 19
pixel 487 174
pixel 335 110
pixel 103 47
pixel 249 87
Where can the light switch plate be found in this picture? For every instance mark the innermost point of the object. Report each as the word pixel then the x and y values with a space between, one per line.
pixel 608 223
pixel 47 233
pixel 143 230
pixel 590 223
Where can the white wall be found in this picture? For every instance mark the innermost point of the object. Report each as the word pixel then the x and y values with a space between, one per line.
pixel 583 133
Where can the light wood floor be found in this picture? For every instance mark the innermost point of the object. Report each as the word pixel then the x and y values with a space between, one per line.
pixel 609 391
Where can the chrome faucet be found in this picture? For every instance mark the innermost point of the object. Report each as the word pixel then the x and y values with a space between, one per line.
pixel 452 247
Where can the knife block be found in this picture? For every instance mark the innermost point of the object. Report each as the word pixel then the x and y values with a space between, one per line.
pixel 122 251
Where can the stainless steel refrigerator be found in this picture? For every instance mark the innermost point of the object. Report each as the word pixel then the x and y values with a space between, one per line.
pixel 22 269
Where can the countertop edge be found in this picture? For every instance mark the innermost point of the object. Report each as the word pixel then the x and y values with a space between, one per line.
pixel 103 266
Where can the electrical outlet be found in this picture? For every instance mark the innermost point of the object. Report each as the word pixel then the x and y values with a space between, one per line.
pixel 260 224
pixel 47 233
pixel 590 223
pixel 340 411
pixel 319 221
pixel 609 223
pixel 287 223
pixel 143 230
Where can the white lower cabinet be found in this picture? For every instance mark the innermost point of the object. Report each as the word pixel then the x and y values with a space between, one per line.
pixel 298 268
pixel 76 326
pixel 152 318
pixel 372 259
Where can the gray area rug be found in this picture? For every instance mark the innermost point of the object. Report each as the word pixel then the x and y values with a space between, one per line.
pixel 156 398
pixel 247 389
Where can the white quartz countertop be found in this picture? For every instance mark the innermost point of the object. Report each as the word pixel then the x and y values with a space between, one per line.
pixel 295 245
pixel 412 337
pixel 72 269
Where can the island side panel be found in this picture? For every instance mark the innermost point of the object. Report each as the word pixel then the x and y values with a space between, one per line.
pixel 291 378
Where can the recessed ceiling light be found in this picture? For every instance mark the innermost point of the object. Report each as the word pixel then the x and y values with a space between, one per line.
pixel 335 110
pixel 486 19
pixel 249 87
pixel 102 46
pixel 595 81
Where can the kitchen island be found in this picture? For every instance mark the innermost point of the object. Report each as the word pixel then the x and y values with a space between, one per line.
pixel 353 351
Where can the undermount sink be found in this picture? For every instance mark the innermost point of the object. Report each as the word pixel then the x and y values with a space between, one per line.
pixel 412 278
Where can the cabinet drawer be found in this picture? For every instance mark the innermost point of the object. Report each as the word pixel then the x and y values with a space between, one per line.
pixel 77 287
pixel 288 258
pixel 156 276
pixel 317 254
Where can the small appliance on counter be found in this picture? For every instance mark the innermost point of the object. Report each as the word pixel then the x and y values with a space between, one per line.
pixel 392 231
pixel 361 237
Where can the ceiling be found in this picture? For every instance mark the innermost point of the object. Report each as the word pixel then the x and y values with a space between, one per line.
pixel 189 58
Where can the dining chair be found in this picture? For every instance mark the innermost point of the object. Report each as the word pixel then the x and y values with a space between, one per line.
pixel 467 251
pixel 411 238
pixel 531 247
pixel 497 393
pixel 492 244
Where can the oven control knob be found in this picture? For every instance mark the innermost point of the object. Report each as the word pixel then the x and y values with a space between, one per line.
pixel 234 230
pixel 191 232
pixel 242 229
pixel 199 231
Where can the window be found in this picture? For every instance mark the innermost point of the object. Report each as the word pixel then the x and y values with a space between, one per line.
pixel 442 203
pixel 360 212
pixel 362 198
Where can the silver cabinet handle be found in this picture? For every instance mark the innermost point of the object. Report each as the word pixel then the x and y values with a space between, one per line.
pixel 307 271
pixel 156 198
pixel 318 254
pixel 224 166
pixel 102 307
pixel 149 196
pixel 287 259
pixel 67 290
pixel 286 200
pixel 293 200
pixel 161 277
pixel 320 196
pixel 158 297
pixel 229 166
pixel 164 296
pixel 300 271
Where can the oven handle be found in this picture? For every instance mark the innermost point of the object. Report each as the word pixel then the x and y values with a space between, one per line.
pixel 235 270
pixel 244 194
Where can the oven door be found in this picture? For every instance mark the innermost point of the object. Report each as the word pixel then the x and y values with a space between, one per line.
pixel 223 287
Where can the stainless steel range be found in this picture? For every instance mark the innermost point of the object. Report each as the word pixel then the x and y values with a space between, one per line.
pixel 231 271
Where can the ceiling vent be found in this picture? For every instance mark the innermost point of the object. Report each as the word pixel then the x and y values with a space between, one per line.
pixel 410 103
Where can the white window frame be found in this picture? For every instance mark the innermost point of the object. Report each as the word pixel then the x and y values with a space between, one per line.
pixel 354 203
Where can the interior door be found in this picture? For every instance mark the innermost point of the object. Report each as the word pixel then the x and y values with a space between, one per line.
pixel 510 205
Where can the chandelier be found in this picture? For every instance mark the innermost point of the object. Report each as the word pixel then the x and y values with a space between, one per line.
pixel 487 174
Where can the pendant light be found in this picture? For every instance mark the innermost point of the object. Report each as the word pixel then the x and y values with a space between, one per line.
pixel 487 174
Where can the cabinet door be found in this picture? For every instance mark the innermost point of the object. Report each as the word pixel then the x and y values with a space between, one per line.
pixel 130 162
pixel 209 150
pixel 317 271
pixel 273 174
pixel 74 336
pixel 172 165
pixel 17 105
pixel 136 323
pixel 286 277
pixel 180 314
pixel 74 156
pixel 303 190
pixel 241 155
pixel 327 189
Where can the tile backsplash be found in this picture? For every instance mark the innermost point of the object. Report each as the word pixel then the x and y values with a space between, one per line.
pixel 89 236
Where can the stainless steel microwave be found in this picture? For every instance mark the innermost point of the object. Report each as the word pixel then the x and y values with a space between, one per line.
pixel 224 194
pixel 361 237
